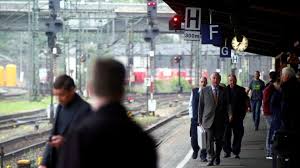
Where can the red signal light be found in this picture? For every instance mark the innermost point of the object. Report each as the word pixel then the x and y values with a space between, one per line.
pixel 175 22
pixel 152 4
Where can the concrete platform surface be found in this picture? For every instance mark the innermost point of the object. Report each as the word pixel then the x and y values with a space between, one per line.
pixel 175 152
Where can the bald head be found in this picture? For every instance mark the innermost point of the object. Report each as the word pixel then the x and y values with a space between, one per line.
pixel 215 78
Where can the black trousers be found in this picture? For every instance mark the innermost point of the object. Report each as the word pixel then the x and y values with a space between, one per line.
pixel 214 137
pixel 194 139
pixel 237 128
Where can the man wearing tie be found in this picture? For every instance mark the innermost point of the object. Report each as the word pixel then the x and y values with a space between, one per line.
pixel 213 116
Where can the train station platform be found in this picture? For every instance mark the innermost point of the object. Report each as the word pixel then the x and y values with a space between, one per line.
pixel 176 150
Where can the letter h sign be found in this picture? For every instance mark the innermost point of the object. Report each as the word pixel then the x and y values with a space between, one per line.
pixel 192 18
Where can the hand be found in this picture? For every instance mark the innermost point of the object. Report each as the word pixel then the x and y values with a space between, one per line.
pixel 57 141
pixel 230 119
pixel 41 166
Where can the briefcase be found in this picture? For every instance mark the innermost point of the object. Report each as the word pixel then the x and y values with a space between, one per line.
pixel 201 137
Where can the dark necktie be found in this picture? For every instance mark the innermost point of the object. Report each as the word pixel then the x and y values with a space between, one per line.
pixel 215 93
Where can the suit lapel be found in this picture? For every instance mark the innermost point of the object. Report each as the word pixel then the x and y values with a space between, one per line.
pixel 220 92
pixel 69 120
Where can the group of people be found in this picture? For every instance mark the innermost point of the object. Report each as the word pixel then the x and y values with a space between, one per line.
pixel 221 112
pixel 279 101
pixel 280 107
pixel 94 136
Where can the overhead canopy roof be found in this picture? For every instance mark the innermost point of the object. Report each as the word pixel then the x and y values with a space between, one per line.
pixel 269 25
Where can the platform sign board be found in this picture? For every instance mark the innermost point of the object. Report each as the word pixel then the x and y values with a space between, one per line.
pixel 211 34
pixel 234 59
pixel 192 35
pixel 147 82
pixel 151 105
pixel 192 24
pixel 225 52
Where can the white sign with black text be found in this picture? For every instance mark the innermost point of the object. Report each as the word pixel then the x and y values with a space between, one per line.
pixel 234 59
pixel 192 24
pixel 192 35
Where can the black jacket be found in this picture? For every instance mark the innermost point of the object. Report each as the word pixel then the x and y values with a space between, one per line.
pixel 237 99
pixel 110 140
pixel 290 104
pixel 80 110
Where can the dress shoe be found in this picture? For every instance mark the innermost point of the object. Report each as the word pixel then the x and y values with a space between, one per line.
pixel 227 155
pixel 210 163
pixel 237 157
pixel 203 160
pixel 218 161
pixel 195 155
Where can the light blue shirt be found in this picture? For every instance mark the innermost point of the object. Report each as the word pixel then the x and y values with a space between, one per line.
pixel 215 89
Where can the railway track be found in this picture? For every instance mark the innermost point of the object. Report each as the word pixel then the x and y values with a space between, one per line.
pixel 21 145
pixel 27 140
pixel 20 115
pixel 18 94
pixel 138 98
pixel 169 101
pixel 41 142
pixel 143 98
pixel 15 122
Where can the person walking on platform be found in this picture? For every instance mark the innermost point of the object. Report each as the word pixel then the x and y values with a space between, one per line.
pixel 72 109
pixel 256 86
pixel 275 107
pixel 237 107
pixel 193 113
pixel 109 138
pixel 290 99
pixel 212 116
pixel 267 94
pixel 285 141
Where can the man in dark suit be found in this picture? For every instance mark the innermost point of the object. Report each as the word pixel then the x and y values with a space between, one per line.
pixel 69 113
pixel 212 116
pixel 237 107
pixel 110 138
pixel 193 113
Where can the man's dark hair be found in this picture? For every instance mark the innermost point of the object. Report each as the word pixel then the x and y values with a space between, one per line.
pixel 273 76
pixel 64 82
pixel 108 78
pixel 233 75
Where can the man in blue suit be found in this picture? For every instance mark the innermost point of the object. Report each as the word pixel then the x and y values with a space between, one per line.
pixel 193 113
pixel 72 109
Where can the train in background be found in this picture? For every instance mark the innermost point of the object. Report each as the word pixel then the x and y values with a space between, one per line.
pixel 140 74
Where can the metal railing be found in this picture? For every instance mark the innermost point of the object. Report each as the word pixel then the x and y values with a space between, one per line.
pixel 23 6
